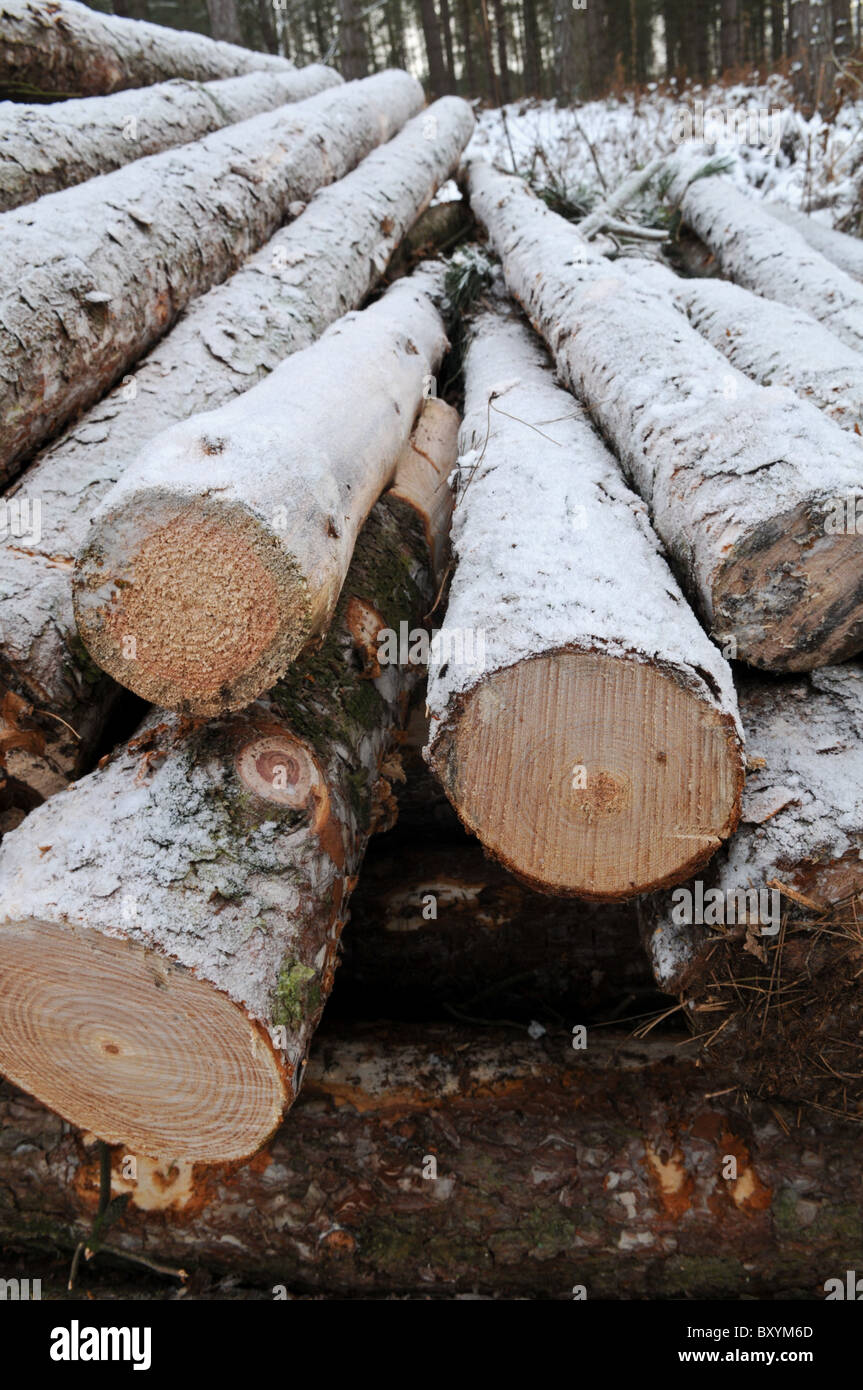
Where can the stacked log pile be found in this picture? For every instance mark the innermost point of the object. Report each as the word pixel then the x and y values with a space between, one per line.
pixel 622 546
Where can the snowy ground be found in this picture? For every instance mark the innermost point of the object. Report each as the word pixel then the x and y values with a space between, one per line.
pixel 811 163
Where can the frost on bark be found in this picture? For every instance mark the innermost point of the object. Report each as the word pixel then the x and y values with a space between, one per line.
pixel 741 480
pixel 46 148
pixel 582 723
pixel 771 973
pixel 92 276
pixel 169 925
pixel 606 1168
pixel 221 552
pixel 843 250
pixel 57 48
pixel 768 341
pixel 772 259
pixel 318 267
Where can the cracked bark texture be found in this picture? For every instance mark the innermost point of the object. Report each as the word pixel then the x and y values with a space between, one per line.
pixel 768 341
pixel 215 863
pixel 312 271
pixel 783 1009
pixel 555 1169
pixel 57 48
pixel 772 259
pixel 47 148
pixel 740 479
pixel 112 262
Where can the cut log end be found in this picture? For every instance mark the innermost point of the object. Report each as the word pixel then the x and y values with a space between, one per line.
pixel 132 1048
pixel 205 635
pixel 572 808
pixel 793 596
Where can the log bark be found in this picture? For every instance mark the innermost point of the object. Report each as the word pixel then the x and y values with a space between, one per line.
pixel 767 341
pixel 739 480
pixel 844 251
pixel 438 929
pixel 116 259
pixel 772 985
pixel 58 48
pixel 606 1169
pixel 599 708
pixel 221 552
pixel 47 148
pixel 190 894
pixel 279 302
pixel 751 250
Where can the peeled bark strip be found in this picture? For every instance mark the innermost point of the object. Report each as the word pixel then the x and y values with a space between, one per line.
pixel 46 148
pixel 773 260
pixel 57 48
pixel 741 481
pixel 767 341
pixel 278 302
pixel 782 1004
pixel 582 723
pixel 114 260
pixel 439 928
pixel 189 895
pixel 222 551
pixel 843 250
pixel 606 1168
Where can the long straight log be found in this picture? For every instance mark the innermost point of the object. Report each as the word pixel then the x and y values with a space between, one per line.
pixel 92 276
pixel 768 341
pixel 582 723
pixel 58 48
pixel 278 302
pixel 441 1160
pixel 843 250
pixel 765 951
pixel 164 968
pixel 46 148
pixel 222 550
pixel 741 481
pixel 772 259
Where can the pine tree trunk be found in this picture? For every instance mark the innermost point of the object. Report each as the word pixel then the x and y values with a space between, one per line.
pixel 769 342
pixel 191 892
pixel 740 481
pixel 434 1161
pixel 221 552
pixel 434 52
pixel 58 48
pixel 502 59
pixel 766 954
pixel 316 268
pixel 353 47
pixel 135 247
pixel 224 23
pixel 46 148
pixel 537 724
pixel 533 85
pixel 729 35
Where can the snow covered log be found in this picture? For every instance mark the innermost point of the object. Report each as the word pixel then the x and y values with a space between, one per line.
pixel 765 951
pixel 767 341
pixel 756 251
pixel 437 927
pixel 113 261
pixel 278 302
pixel 742 482
pixel 581 722
pixel 843 250
pixel 46 148
pixel 441 1160
pixel 221 552
pixel 169 925
pixel 58 48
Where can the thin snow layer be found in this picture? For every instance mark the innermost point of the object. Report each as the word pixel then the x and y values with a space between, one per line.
pixel 844 251
pixel 770 342
pixel 156 856
pixel 552 549
pixel 309 273
pixel 712 453
pixel 753 249
pixel 803 800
